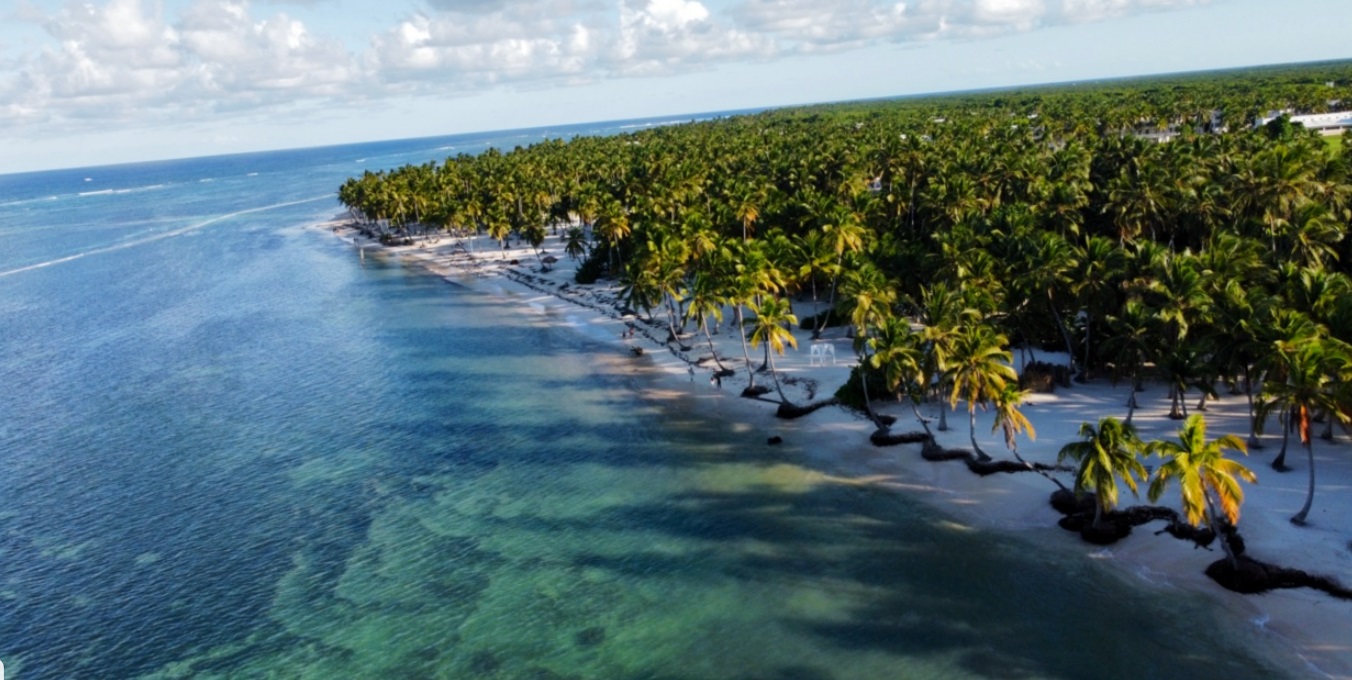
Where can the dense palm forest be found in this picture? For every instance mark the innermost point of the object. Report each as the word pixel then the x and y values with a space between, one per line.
pixel 950 231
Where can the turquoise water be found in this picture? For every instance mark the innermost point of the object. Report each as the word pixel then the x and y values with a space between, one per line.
pixel 230 448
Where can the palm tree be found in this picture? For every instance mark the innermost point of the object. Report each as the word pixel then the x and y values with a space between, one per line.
pixel 771 327
pixel 1311 369
pixel 847 236
pixel 869 297
pixel 942 312
pixel 1010 421
pixel 1130 343
pixel 705 300
pixel 1108 452
pixel 1207 480
pixel 575 243
pixel 899 353
pixel 979 367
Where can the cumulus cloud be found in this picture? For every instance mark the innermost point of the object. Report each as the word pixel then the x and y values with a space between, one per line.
pixel 124 58
pixel 133 58
pixel 822 25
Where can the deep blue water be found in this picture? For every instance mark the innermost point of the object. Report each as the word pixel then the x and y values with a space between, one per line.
pixel 230 448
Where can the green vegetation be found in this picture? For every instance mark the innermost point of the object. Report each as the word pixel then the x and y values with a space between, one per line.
pixel 992 222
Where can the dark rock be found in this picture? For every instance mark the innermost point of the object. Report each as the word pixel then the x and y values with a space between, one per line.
pixel 1108 532
pixel 753 392
pixel 772 441
pixel 1068 503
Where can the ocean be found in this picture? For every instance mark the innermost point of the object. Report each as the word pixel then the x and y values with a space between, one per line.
pixel 229 447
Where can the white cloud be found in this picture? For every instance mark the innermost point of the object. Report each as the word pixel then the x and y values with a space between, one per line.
pixel 820 25
pixel 661 36
pixel 133 58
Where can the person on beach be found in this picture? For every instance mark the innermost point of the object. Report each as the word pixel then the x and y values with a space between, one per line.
pixel 691 370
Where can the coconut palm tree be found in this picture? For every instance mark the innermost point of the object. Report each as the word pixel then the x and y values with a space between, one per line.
pixel 869 298
pixel 704 299
pixel 771 326
pixel 1208 482
pixel 1129 345
pixel 1107 453
pixel 1311 370
pixel 1010 422
pixel 978 365
pixel 899 352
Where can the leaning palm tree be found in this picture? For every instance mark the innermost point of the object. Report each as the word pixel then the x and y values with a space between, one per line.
pixel 705 300
pixel 978 366
pixel 771 327
pixel 1010 422
pixel 1312 369
pixel 1106 453
pixel 1208 482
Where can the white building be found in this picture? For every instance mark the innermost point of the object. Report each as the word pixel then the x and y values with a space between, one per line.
pixel 1323 123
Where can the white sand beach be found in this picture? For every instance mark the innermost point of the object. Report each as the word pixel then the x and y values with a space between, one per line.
pixel 1316 625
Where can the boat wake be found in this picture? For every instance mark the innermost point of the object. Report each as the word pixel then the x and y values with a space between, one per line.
pixel 158 237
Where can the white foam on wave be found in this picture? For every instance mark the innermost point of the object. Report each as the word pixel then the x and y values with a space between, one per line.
pixel 113 192
pixel 157 237
pixel 28 200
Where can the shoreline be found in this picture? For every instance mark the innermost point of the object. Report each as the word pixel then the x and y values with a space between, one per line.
pixel 1314 627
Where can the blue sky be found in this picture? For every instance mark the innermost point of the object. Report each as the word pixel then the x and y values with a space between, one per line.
pixel 103 81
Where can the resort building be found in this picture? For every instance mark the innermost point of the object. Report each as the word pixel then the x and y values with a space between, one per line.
pixel 1324 123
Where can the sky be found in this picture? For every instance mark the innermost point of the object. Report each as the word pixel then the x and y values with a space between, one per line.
pixel 108 81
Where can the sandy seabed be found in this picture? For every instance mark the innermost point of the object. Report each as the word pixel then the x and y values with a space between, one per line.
pixel 1317 626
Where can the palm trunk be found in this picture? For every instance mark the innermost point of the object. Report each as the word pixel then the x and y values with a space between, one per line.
pixel 741 331
pixel 1279 463
pixel 1088 346
pixel 775 377
pixel 1015 450
pixel 817 328
pixel 915 408
pixel 1131 400
pixel 671 323
pixel 1221 536
pixel 971 424
pixel 1299 519
pixel 1065 334
pixel 717 362
pixel 868 402
pixel 943 412
pixel 1254 442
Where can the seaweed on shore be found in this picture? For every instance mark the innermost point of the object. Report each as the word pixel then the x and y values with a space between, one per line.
pixel 885 438
pixel 1251 577
pixel 990 467
pixel 789 411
